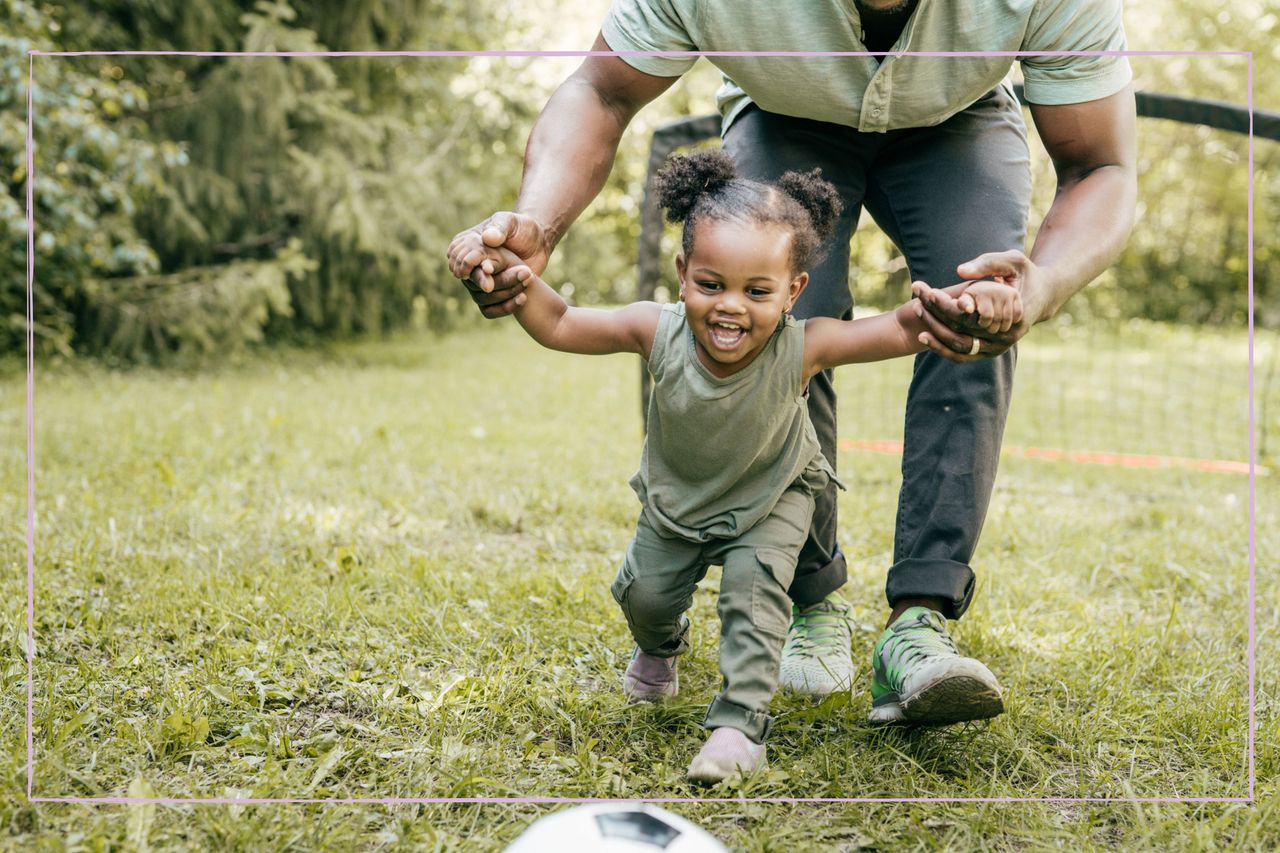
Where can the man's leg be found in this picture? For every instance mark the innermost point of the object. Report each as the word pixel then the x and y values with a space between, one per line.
pixel 945 195
pixel 816 657
pixel 765 145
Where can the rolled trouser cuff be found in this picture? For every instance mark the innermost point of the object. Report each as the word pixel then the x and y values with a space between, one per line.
pixel 926 578
pixel 812 585
pixel 671 648
pixel 723 713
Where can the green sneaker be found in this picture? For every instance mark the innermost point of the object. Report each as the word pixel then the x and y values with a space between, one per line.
pixel 920 679
pixel 816 660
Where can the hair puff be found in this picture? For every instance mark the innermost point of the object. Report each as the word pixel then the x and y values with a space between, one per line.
pixel 817 196
pixel 686 179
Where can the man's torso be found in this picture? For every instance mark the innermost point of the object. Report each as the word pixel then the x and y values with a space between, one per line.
pixel 861 91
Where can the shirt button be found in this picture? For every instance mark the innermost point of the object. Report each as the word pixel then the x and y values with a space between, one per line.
pixel 876 112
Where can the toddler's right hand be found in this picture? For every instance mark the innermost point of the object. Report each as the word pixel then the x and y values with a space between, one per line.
pixel 998 306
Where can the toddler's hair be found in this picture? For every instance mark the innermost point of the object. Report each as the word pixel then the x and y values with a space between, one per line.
pixel 705 185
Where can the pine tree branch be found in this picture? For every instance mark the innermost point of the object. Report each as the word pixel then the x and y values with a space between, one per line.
pixel 273 239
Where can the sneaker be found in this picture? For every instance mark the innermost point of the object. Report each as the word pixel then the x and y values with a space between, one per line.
pixel 919 677
pixel 726 754
pixel 650 678
pixel 816 660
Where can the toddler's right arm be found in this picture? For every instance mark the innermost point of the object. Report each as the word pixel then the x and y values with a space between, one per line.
pixel 589 331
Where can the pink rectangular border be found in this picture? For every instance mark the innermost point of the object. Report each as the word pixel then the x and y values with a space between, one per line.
pixel 1252 581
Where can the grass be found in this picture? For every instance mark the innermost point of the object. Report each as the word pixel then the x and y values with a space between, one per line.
pixel 382 571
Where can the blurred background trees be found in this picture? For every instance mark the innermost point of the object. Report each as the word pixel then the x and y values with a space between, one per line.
pixel 187 207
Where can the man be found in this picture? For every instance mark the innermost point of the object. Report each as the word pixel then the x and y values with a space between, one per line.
pixel 935 148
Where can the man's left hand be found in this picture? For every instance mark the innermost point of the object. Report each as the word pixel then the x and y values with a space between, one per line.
pixel 953 331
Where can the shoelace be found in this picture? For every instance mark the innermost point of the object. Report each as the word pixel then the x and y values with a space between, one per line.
pixel 913 641
pixel 808 628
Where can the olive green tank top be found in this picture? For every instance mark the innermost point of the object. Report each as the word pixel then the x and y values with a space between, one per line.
pixel 718 453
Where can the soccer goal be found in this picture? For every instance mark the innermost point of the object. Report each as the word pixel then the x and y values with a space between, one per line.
pixel 1104 382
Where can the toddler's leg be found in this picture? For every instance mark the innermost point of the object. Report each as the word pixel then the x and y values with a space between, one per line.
pixel 654 588
pixel 754 615
pixel 755 612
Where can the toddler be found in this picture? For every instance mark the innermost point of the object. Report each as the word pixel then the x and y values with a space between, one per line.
pixel 730 462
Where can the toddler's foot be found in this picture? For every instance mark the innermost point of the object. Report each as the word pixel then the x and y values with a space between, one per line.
pixel 726 754
pixel 650 678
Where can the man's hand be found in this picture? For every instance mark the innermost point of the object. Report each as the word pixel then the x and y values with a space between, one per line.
pixel 485 257
pixel 960 334
pixel 566 163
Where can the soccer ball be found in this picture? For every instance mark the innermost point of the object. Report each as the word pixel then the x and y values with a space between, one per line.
pixel 615 828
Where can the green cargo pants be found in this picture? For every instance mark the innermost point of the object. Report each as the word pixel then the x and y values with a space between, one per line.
pixel 655 587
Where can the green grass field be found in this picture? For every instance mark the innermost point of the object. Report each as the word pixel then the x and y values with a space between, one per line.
pixel 382 571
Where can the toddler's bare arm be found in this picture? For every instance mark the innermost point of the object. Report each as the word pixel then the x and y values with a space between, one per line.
pixel 588 331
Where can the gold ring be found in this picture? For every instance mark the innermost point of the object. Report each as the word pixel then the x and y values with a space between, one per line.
pixel 973 350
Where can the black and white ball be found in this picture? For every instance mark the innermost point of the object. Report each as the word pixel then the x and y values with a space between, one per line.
pixel 615 828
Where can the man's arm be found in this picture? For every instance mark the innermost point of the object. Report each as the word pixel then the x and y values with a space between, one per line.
pixel 566 163
pixel 1094 151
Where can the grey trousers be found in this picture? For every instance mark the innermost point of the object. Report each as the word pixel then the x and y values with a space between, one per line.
pixel 944 195
pixel 655 587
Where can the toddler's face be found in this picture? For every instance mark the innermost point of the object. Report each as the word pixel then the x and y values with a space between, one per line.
pixel 735 285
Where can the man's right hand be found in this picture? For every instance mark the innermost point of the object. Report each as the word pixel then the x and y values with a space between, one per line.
pixel 486 256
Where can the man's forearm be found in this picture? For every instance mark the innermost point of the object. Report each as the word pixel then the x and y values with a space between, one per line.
pixel 1094 150
pixel 569 156
pixel 571 149
pixel 1083 233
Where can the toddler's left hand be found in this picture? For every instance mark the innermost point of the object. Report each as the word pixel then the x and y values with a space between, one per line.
pixel 998 305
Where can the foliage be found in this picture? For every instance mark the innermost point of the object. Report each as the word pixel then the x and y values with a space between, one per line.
pixel 174 175
pixel 332 178
pixel 202 312
pixel 92 162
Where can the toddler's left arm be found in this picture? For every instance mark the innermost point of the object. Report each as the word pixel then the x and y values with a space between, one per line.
pixel 829 342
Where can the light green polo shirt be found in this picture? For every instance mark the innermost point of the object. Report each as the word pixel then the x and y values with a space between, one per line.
pixel 858 91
